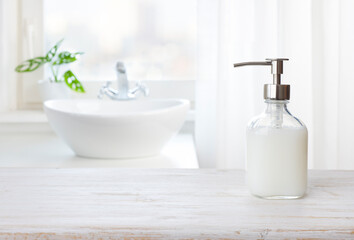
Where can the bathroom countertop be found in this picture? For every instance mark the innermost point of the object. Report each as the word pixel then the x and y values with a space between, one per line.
pixel 101 203
pixel 42 148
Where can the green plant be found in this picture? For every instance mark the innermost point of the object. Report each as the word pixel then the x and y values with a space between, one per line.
pixel 55 61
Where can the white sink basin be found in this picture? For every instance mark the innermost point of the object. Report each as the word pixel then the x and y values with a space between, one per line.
pixel 116 129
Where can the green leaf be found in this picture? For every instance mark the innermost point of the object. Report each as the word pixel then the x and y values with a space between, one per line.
pixel 72 82
pixel 31 64
pixel 66 57
pixel 50 55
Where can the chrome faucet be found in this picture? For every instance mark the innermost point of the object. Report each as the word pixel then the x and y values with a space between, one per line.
pixel 123 92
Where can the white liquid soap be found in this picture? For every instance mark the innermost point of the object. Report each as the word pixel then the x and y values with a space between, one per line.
pixel 277 162
pixel 276 143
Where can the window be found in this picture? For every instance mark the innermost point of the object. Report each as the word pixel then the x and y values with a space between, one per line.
pixel 155 38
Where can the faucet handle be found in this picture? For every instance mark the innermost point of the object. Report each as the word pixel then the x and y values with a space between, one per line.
pixel 140 87
pixel 103 89
pixel 144 89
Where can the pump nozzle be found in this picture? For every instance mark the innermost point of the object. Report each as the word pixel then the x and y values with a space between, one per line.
pixel 275 91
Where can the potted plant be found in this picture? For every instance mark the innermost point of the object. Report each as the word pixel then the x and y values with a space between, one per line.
pixel 57 86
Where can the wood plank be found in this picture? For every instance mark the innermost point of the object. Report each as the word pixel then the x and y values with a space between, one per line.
pixel 167 204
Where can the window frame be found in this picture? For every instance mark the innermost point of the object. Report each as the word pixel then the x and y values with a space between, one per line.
pixel 9 54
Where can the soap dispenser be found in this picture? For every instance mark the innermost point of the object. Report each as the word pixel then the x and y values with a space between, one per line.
pixel 276 143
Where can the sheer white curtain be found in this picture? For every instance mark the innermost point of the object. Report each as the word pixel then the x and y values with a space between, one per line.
pixel 318 38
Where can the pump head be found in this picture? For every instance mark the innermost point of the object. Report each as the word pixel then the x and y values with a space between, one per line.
pixel 275 91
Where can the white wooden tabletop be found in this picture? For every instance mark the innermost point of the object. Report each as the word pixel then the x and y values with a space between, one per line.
pixel 167 204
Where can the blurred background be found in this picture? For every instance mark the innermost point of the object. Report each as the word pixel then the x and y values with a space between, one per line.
pixel 186 49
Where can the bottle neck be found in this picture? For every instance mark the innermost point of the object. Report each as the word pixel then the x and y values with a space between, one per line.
pixel 276 105
pixel 276 110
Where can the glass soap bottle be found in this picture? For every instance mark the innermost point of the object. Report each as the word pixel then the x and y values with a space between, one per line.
pixel 276 143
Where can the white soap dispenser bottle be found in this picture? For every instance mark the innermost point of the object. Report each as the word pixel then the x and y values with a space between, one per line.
pixel 276 143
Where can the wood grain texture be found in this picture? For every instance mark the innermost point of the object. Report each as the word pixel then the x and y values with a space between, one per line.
pixel 167 204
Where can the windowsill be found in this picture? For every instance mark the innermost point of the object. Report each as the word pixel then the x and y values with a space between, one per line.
pixel 24 121
pixel 23 116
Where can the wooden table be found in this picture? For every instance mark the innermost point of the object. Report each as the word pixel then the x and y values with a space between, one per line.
pixel 167 204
